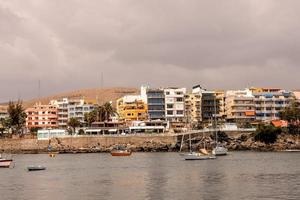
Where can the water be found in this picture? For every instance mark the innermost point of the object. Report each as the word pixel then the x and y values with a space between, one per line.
pixel 241 175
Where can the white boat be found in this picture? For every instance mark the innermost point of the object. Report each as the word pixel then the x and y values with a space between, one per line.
pixel 220 151
pixel 5 163
pixel 198 156
pixel 203 155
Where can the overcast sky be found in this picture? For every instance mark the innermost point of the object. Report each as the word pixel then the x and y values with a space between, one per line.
pixel 67 44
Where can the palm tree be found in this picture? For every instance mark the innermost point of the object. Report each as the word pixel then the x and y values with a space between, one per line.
pixel 16 116
pixel 73 122
pixel 108 110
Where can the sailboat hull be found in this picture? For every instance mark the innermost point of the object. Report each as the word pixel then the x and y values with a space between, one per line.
pixel 198 156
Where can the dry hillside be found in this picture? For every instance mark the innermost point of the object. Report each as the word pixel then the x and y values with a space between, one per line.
pixel 104 95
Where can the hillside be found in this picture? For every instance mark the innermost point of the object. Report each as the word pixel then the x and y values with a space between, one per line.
pixel 104 95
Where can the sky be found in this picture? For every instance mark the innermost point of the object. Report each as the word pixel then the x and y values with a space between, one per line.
pixel 68 44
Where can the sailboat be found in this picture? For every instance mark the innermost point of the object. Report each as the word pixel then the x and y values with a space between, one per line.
pixel 218 150
pixel 203 155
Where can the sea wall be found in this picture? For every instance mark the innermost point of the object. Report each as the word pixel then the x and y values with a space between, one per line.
pixel 90 144
pixel 146 143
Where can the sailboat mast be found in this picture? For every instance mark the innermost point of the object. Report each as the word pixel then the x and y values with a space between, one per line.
pixel 215 119
pixel 190 140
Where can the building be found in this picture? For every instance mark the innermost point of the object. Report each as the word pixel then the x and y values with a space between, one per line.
pixel 156 104
pixel 64 113
pixel 220 97
pixel 131 108
pixel 212 103
pixel 3 112
pixel 239 105
pixel 174 104
pixel 49 134
pixel 41 116
pixel 269 102
pixel 193 108
pixel 78 111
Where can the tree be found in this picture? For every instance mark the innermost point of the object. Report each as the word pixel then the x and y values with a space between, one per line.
pixel 90 117
pixel 73 122
pixel 16 116
pixel 108 111
pixel 292 115
pixel 267 134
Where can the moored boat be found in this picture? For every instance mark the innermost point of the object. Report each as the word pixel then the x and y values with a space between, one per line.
pixel 120 153
pixel 5 163
pixel 220 151
pixel 198 156
pixel 36 168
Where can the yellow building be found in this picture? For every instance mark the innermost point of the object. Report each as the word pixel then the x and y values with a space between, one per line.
pixel 193 108
pixel 131 109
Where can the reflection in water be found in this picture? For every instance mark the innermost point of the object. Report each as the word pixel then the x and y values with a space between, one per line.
pixel 242 175
pixel 156 179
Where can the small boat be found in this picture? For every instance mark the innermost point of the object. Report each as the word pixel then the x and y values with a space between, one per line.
pixel 53 154
pixel 202 155
pixel 220 151
pixel 120 153
pixel 36 168
pixel 4 162
pixel 198 156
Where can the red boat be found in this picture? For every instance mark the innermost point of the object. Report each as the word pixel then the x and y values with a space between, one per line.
pixel 5 163
pixel 120 153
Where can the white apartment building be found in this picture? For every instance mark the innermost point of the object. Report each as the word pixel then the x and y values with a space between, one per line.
pixel 78 111
pixel 174 104
pixel 239 105
pixel 269 102
pixel 63 109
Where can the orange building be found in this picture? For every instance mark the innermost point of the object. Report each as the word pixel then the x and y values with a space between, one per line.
pixel 41 116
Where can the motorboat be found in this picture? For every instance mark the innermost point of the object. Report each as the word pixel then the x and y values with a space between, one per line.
pixel 36 168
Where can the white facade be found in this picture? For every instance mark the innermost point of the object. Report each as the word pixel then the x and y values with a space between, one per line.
pixel 63 109
pixel 78 111
pixel 174 103
pixel 48 134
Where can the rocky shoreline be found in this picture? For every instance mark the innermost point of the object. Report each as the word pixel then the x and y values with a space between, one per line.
pixel 242 142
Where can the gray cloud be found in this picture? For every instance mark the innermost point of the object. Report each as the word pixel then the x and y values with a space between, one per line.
pixel 219 44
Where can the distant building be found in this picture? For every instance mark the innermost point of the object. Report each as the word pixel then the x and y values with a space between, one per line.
pixel 193 108
pixel 78 111
pixel 240 105
pixel 269 102
pixel 212 103
pixel 54 133
pixel 41 116
pixel 131 108
pixel 72 107
pixel 174 104
pixel 156 104
pixel 3 112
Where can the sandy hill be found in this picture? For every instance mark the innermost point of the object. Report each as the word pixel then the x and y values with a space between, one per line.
pixel 103 95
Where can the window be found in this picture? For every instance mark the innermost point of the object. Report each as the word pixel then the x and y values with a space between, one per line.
pixel 179 93
pixel 179 99
pixel 179 112
pixel 167 93
pixel 170 112
pixel 170 105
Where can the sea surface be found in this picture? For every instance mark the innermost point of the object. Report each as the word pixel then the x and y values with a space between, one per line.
pixel 240 175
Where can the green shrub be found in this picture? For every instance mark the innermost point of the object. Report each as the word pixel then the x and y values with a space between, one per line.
pixel 267 134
